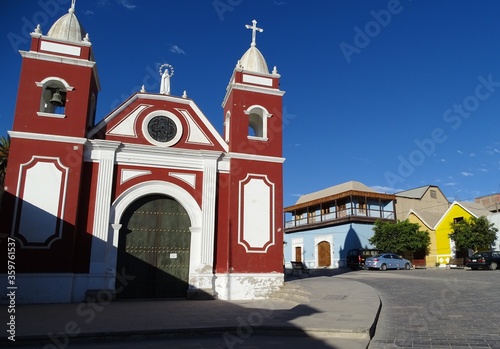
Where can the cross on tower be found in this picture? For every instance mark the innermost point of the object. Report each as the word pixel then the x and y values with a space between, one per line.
pixel 254 29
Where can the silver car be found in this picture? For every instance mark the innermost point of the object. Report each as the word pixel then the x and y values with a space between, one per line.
pixel 386 261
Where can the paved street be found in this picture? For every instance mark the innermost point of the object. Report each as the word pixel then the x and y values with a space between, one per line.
pixel 435 308
pixel 428 309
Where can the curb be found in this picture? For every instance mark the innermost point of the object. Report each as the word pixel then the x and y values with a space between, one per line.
pixel 202 332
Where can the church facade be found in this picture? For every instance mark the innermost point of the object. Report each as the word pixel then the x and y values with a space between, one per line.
pixel 150 202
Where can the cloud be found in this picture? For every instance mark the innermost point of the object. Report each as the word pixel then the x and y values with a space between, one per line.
pixel 128 4
pixel 492 150
pixel 467 174
pixel 176 49
pixel 450 184
pixel 460 152
pixel 88 13
pixel 443 160
pixel 472 155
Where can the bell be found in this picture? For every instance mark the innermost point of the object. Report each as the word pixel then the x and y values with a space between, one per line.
pixel 56 99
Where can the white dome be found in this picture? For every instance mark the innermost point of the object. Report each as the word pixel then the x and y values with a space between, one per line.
pixel 67 28
pixel 254 61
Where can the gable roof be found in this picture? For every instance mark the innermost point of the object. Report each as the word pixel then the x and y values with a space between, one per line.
pixel 124 123
pixel 429 219
pixel 475 209
pixel 417 193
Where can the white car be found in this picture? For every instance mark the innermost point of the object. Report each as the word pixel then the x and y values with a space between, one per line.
pixel 386 261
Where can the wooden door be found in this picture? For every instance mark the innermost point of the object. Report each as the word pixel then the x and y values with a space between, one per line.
pixel 154 247
pixel 298 254
pixel 324 254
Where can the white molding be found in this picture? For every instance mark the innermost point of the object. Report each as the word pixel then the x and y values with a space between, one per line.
pixel 159 157
pixel 209 210
pixel 188 178
pixel 60 48
pixel 46 137
pixel 58 59
pixel 61 201
pixel 195 134
pixel 259 80
pixel 156 187
pixel 51 115
pixel 256 208
pixel 127 126
pixel 55 78
pixel 166 98
pixel 127 174
pixel 251 88
pixel 253 157
pixel 258 89
pixel 254 138
pixel 171 116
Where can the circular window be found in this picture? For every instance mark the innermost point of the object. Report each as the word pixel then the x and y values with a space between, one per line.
pixel 162 129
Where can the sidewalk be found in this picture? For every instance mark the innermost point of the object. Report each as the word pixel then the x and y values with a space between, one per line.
pixel 319 306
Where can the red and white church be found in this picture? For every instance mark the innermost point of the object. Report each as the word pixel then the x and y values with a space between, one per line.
pixel 151 202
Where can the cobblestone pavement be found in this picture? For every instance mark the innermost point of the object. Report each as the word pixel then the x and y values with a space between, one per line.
pixel 435 308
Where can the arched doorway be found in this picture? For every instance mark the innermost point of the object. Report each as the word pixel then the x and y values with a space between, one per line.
pixel 154 248
pixel 324 254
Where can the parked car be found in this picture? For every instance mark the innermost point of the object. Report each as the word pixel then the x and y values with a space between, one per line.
pixel 356 257
pixel 386 261
pixel 484 260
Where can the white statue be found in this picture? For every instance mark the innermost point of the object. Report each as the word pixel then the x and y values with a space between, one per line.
pixel 165 78
pixel 165 83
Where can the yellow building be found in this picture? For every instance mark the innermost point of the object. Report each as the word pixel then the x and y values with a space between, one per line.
pixel 427 222
pixel 425 206
pixel 458 211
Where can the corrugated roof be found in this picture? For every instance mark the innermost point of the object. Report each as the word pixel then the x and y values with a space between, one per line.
pixel 429 218
pixel 336 189
pixel 415 193
pixel 476 208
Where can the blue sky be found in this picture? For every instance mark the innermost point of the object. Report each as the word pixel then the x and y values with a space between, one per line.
pixel 394 94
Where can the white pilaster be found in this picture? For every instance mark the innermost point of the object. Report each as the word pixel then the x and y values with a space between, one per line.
pixel 208 209
pixel 104 152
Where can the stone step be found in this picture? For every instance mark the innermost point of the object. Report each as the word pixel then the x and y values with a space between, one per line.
pixel 291 293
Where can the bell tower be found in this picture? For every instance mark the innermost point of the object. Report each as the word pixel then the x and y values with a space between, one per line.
pixel 253 130
pixel 55 107
pixel 58 84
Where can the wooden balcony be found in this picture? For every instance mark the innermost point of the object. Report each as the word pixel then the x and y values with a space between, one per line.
pixel 347 207
pixel 337 218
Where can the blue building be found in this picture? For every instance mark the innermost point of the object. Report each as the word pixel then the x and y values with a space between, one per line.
pixel 322 226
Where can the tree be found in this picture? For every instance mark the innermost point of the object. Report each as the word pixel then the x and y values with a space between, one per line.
pixel 4 154
pixel 400 237
pixel 473 233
